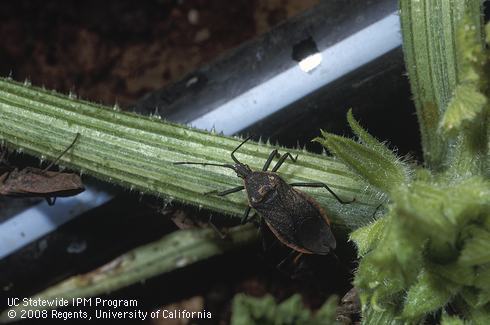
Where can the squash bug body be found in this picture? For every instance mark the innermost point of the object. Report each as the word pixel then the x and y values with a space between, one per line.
pixel 35 182
pixel 295 218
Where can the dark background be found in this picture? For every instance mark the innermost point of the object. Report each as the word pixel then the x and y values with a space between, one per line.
pixel 117 51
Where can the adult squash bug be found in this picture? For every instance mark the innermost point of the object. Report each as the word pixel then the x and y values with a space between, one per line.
pixel 294 217
pixel 35 182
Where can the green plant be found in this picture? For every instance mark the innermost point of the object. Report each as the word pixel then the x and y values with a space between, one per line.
pixel 431 249
pixel 138 152
pixel 265 311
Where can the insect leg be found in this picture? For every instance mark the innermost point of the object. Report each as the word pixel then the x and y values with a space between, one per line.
pixel 296 259
pixel 63 153
pixel 220 234
pixel 203 164
pixel 226 192
pixel 245 215
pixel 289 261
pixel 324 186
pixel 3 157
pixel 282 159
pixel 268 239
pixel 51 200
pixel 376 210
pixel 273 154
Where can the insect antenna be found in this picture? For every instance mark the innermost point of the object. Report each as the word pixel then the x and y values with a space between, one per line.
pixel 203 164
pixel 233 152
pixel 61 155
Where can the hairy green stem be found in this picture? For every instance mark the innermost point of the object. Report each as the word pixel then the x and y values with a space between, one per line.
pixel 138 153
pixel 430 47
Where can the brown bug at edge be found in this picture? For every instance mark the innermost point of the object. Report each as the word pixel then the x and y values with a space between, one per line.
pixel 349 309
pixel 35 182
pixel 294 217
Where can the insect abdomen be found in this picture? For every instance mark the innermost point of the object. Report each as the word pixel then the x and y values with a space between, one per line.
pixel 298 221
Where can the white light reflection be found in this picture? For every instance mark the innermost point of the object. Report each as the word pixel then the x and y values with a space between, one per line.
pixel 310 62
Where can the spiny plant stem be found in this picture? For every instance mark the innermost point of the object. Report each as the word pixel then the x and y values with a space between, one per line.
pixel 138 153
pixel 174 251
pixel 429 43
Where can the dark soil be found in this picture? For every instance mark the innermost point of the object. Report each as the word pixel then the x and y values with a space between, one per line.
pixel 108 51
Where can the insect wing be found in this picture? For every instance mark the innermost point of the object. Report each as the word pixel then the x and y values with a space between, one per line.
pixel 35 182
pixel 314 231
pixel 297 221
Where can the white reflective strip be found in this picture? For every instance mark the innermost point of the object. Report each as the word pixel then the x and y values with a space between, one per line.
pixel 41 219
pixel 294 84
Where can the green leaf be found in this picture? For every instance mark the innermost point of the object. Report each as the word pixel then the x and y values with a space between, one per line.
pixel 367 237
pixel 248 310
pixel 379 279
pixel 470 296
pixel 430 293
pixel 454 272
pixel 470 51
pixel 465 106
pixel 367 138
pixel 476 249
pixel 482 278
pixel 393 266
pixel 372 164
pixel 450 206
pixel 292 311
pixel 372 316
pixel 483 298
pixel 480 315
pixel 412 206
pixel 452 320
pixel 411 241
pixel 327 313
pixel 464 118
pixel 476 297
pixel 469 200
